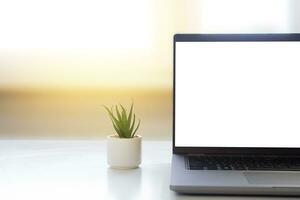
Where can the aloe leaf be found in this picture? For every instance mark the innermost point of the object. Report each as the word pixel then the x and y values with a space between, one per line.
pixel 133 123
pixel 123 109
pixel 123 122
pixel 120 121
pixel 118 113
pixel 119 132
pixel 124 118
pixel 110 114
pixel 116 123
pixel 119 125
pixel 136 128
pixel 130 115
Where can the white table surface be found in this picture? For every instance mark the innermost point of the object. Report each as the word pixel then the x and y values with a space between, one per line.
pixel 77 169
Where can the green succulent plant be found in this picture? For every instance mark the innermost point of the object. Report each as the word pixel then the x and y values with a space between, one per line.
pixel 123 122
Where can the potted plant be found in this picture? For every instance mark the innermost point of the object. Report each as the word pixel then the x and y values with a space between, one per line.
pixel 124 147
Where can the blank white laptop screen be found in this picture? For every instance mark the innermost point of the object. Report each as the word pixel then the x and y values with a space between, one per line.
pixel 237 94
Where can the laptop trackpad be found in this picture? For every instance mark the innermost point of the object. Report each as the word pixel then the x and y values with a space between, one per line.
pixel 273 178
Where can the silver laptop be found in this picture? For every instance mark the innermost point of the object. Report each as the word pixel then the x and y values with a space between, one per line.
pixel 236 126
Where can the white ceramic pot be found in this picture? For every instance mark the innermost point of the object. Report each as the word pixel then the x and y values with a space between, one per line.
pixel 124 153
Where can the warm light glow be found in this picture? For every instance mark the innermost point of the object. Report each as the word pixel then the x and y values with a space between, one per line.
pixel 81 69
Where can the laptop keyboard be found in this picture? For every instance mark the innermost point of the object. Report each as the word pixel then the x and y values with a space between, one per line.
pixel 270 163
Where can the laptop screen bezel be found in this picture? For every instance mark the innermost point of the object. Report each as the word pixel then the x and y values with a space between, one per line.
pixel 228 38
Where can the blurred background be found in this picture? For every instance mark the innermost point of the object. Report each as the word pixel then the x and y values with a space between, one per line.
pixel 61 60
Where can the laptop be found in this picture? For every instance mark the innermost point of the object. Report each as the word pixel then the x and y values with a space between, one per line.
pixel 236 114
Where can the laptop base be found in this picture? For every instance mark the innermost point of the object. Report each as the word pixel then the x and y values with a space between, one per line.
pixel 224 182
